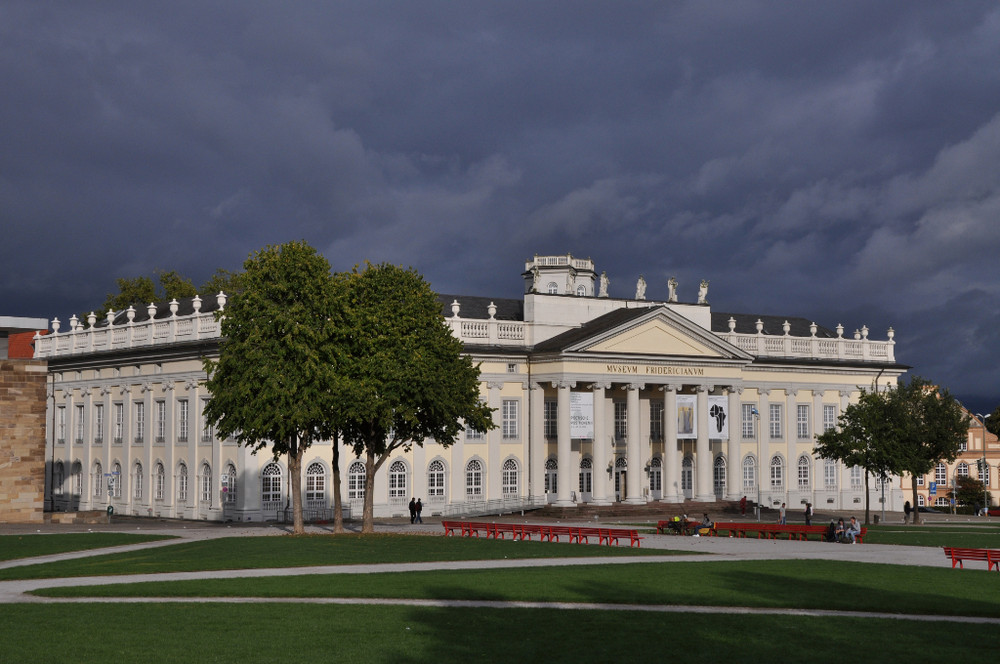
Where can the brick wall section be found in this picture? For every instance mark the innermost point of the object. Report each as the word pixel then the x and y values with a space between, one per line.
pixel 21 345
pixel 22 440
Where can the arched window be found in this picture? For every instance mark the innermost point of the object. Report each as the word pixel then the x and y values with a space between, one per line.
pixel 803 475
pixel 316 482
pixel 777 473
pixel 98 480
pixel 474 478
pixel 581 290
pixel 230 488
pixel 158 478
pixel 58 477
pixel 356 480
pixel 551 476
pixel 116 480
pixel 749 472
pixel 509 478
pixel 586 475
pixel 270 483
pixel 920 500
pixel 719 476
pixel 435 479
pixel 182 484
pixel 655 474
pixel 206 484
pixel 137 481
pixel 552 288
pixel 76 479
pixel 397 479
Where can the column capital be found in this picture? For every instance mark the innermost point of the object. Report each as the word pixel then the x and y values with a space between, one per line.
pixel 633 386
pixel 564 384
pixel 764 391
pixel 668 387
pixel 601 385
pixel 818 393
pixel 845 394
pixel 704 388
pixel 791 392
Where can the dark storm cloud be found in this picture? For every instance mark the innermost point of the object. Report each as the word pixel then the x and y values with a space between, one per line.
pixel 837 161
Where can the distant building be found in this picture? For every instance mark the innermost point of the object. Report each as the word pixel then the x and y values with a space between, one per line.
pixel 598 399
pixel 22 424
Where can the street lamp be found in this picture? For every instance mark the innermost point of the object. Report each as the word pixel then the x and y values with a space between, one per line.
pixel 760 464
pixel 982 471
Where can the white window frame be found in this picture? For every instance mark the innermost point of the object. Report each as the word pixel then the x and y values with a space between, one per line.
pixel 206 485
pixel 271 483
pixel 777 472
pixel 749 472
pixel 830 472
pixel 621 420
pixel 550 418
pixel 98 423
pixel 586 475
pixel 316 482
pixel 941 474
pixel 139 411
pixel 775 413
pixel 802 421
pixel 436 479
pixel 804 472
pixel 183 420
pixel 749 423
pixel 60 424
pixel 397 479
pixel 119 422
pixel 655 474
pixel 98 480
pixel 656 420
pixel 160 420
pixel 510 419
pixel 231 484
pixel 857 478
pixel 510 475
pixel 158 480
pixel 829 417
pixel 474 478
pixel 207 430
pixel 356 480
pixel 182 484
pixel 78 423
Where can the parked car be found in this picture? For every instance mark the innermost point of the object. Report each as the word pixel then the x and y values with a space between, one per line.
pixel 993 512
pixel 924 508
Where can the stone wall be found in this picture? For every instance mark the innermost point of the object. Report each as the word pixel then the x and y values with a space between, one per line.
pixel 22 440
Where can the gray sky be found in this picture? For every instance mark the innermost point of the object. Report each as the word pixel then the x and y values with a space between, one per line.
pixel 838 161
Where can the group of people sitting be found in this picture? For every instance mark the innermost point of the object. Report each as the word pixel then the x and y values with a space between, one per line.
pixel 838 532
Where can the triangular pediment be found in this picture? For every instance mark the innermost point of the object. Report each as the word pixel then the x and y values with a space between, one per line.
pixel 657 331
pixel 655 337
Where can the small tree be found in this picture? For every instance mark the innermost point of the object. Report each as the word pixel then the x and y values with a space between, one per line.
pixel 969 491
pixel 867 436
pixel 933 427
pixel 407 377
pixel 275 382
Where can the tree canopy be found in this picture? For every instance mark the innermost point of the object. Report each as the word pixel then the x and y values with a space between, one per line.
pixel 407 379
pixel 907 428
pixel 140 291
pixel 276 380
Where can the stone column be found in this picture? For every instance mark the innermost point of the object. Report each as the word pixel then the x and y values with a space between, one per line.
pixel 763 444
pixel 601 445
pixel 818 479
pixel 633 453
pixel 671 455
pixel 734 468
pixel 703 482
pixel 492 455
pixel 563 448
pixel 536 443
pixel 791 436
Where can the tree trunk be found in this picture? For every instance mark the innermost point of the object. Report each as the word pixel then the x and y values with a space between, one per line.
pixel 338 507
pixel 295 471
pixel 867 500
pixel 916 513
pixel 368 520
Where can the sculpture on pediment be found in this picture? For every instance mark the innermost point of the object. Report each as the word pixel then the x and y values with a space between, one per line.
pixel 703 292
pixel 605 282
pixel 640 288
pixel 672 286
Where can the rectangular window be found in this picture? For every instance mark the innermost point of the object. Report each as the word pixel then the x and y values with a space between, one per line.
pixel 775 420
pixel 161 421
pixel 920 480
pixel 621 420
pixel 802 421
pixel 551 419
pixel 857 481
pixel 829 417
pixel 830 474
pixel 207 431
pixel 656 421
pixel 140 421
pixel 119 422
pixel 61 424
pixel 472 434
pixel 509 419
pixel 183 420
pixel 98 423
pixel 941 474
pixel 963 446
pixel 78 423
pixel 749 421
pixel 182 486
pixel 206 489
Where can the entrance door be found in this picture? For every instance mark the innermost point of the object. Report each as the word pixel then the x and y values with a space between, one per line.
pixel 687 476
pixel 621 471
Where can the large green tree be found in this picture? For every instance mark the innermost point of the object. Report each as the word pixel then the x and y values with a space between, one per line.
pixel 140 291
pixel 408 380
pixel 275 383
pixel 867 436
pixel 933 426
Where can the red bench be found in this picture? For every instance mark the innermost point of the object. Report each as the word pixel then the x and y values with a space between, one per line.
pixel 501 530
pixel 555 532
pixel 572 534
pixel 527 530
pixel 451 526
pixel 470 528
pixel 613 534
pixel 680 527
pixel 796 531
pixel 959 555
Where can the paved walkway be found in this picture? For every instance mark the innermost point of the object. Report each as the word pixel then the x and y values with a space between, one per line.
pixel 705 549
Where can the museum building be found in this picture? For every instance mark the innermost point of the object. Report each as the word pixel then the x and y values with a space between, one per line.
pixel 598 400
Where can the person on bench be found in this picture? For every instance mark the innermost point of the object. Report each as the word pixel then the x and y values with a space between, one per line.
pixel 853 530
pixel 832 534
pixel 706 525
pixel 838 533
pixel 676 525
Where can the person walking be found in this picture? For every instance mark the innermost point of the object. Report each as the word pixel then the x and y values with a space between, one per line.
pixel 743 506
pixel 906 512
pixel 419 508
pixel 809 513
pixel 781 515
pixel 413 510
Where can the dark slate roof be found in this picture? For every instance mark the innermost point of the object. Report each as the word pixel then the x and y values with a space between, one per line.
pixel 597 325
pixel 476 307
pixel 747 324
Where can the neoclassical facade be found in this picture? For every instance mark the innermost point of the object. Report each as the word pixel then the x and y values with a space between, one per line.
pixel 598 399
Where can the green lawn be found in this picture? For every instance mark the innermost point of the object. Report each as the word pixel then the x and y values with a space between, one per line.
pixel 804 584
pixel 308 550
pixel 27 546
pixel 961 535
pixel 292 633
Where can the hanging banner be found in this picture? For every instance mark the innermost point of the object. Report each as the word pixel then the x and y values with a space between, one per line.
pixel 581 415
pixel 687 427
pixel 718 417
